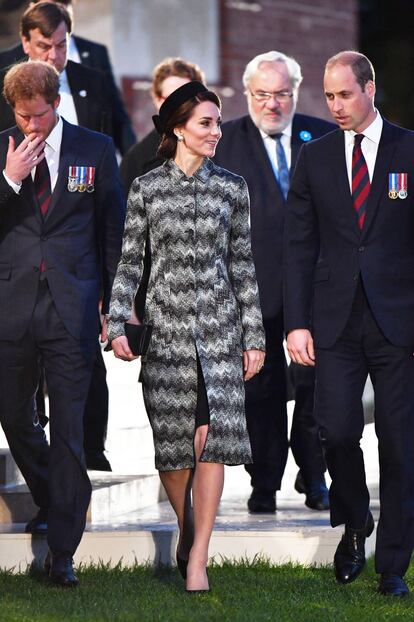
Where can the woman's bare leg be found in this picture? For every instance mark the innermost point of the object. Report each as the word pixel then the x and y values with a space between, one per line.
pixel 207 488
pixel 177 485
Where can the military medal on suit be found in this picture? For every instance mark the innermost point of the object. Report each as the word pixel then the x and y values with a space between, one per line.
pixel 81 179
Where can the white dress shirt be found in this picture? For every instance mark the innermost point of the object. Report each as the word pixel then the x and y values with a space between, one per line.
pixel 73 52
pixel 66 107
pixel 52 155
pixel 270 145
pixel 369 146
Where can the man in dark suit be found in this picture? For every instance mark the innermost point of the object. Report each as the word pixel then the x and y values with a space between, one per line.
pixel 45 30
pixel 93 55
pixel 350 257
pixel 61 220
pixel 252 146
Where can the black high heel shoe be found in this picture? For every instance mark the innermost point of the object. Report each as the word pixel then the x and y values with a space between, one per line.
pixel 182 566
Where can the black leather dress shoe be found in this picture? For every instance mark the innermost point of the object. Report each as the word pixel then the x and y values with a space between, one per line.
pixel 97 461
pixel 262 502
pixel 393 585
pixel 61 569
pixel 316 491
pixel 38 524
pixel 349 558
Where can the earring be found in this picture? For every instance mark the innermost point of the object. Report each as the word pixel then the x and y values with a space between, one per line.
pixel 180 137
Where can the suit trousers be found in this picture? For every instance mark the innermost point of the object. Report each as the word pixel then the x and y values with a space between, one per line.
pixel 341 373
pixel 266 416
pixel 95 418
pixel 304 434
pixel 266 413
pixel 56 475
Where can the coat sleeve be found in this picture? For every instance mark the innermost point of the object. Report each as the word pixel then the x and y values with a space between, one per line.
pixel 242 273
pixel 110 201
pixel 301 248
pixel 130 267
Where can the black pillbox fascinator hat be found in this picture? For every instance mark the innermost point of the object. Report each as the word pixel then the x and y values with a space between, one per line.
pixel 174 101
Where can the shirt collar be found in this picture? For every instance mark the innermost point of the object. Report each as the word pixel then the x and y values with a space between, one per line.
pixel 54 139
pixel 286 132
pixel 372 132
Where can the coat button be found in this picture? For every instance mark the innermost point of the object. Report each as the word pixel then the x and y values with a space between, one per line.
pixel 355 277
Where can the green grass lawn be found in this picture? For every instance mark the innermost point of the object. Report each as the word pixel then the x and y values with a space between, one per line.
pixel 240 592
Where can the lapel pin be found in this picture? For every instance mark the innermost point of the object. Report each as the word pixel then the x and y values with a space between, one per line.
pixel 82 93
pixel 85 54
pixel 305 136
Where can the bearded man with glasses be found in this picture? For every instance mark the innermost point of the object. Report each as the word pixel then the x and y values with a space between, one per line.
pixel 262 147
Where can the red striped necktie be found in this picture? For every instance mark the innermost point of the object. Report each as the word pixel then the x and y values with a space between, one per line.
pixel 42 186
pixel 360 180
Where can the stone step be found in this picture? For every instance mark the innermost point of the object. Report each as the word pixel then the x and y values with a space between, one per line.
pixel 112 495
pixel 294 534
pixel 9 473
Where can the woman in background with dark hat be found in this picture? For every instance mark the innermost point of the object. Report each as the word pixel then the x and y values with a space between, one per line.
pixel 203 304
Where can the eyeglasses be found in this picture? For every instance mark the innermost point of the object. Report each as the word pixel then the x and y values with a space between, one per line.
pixel 280 96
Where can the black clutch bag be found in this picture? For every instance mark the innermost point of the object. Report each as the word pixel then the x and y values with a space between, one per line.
pixel 138 335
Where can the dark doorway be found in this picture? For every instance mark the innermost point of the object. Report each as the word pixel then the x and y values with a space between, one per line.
pixel 386 38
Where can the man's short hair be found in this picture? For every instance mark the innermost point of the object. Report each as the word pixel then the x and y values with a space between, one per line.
pixel 175 66
pixel 64 2
pixel 292 66
pixel 361 65
pixel 29 79
pixel 46 16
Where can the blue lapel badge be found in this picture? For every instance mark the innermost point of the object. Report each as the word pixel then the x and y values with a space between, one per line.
pixel 305 136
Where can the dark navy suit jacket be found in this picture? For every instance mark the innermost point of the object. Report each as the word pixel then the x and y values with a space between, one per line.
pixel 79 239
pixel 242 151
pixel 325 252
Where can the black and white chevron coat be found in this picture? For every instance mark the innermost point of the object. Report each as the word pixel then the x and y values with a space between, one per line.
pixel 202 294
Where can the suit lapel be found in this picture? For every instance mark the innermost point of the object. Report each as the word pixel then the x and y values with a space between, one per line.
pixel 337 162
pixel 260 155
pixel 76 87
pixel 67 158
pixel 295 145
pixel 386 149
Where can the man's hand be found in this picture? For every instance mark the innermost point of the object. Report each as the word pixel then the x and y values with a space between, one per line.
pixel 121 349
pixel 300 347
pixel 20 160
pixel 253 361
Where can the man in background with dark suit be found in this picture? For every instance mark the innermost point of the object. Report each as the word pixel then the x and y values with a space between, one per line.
pixel 263 147
pixel 349 256
pixel 93 55
pixel 62 209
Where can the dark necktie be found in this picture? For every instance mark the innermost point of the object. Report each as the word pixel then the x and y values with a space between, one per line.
pixel 42 186
pixel 43 192
pixel 360 180
pixel 283 169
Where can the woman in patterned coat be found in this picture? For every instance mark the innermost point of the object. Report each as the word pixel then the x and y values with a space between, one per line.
pixel 203 303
